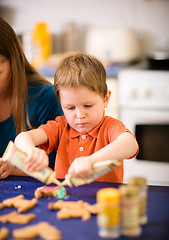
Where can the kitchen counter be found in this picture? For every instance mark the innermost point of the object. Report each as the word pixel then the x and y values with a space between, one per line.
pixel 76 229
pixel 111 70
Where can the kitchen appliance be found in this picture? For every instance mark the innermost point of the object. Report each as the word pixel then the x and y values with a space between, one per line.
pixel 159 59
pixel 113 45
pixel 144 109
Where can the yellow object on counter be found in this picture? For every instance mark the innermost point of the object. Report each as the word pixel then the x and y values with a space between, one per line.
pixel 42 44
pixel 109 218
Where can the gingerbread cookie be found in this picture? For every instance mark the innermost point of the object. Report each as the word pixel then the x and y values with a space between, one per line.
pixel 42 229
pixel 66 213
pixel 10 201
pixel 74 209
pixel 4 233
pixel 15 217
pixel 92 208
pixel 2 205
pixel 59 192
pixel 20 203
pixel 65 204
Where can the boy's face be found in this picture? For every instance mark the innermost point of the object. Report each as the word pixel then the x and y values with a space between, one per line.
pixel 82 107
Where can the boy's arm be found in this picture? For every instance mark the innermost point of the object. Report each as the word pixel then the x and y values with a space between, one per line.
pixel 36 159
pixel 125 146
pixel 30 139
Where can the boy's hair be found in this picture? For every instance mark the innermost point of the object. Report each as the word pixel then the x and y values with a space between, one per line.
pixel 77 70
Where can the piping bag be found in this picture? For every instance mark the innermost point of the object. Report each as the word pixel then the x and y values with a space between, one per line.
pixel 99 169
pixel 17 158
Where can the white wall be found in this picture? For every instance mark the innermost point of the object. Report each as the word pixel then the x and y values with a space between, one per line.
pixel 149 18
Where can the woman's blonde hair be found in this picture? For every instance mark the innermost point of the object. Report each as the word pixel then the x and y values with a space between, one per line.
pixel 80 69
pixel 22 72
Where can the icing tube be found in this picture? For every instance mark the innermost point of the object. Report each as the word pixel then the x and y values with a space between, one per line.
pixel 99 169
pixel 17 158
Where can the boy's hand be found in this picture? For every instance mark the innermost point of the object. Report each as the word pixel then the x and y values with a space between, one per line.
pixel 36 159
pixel 81 168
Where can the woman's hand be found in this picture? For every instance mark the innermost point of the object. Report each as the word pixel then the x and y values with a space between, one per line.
pixel 81 168
pixel 5 169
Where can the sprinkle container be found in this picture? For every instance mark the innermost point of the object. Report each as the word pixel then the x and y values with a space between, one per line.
pixel 108 219
pixel 130 215
pixel 141 183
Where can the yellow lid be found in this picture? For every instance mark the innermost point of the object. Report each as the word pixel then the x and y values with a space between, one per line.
pixel 138 181
pixel 108 195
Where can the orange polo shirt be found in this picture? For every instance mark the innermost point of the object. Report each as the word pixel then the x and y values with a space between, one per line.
pixel 71 144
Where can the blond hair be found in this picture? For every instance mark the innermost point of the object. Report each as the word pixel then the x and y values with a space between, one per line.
pixel 80 69
pixel 22 72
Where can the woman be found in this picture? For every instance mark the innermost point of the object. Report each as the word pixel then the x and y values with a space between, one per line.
pixel 27 100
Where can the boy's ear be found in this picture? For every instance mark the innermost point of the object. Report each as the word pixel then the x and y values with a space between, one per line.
pixel 107 98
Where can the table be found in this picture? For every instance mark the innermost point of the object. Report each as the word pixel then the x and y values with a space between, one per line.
pixel 158 209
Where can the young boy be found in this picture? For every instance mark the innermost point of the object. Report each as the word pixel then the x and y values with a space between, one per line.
pixel 84 135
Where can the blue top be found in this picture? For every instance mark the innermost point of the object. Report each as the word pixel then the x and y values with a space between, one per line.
pixel 43 105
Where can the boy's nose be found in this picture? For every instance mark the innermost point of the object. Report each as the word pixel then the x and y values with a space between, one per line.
pixel 80 114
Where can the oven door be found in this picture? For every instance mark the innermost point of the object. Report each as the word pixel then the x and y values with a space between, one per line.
pixel 151 129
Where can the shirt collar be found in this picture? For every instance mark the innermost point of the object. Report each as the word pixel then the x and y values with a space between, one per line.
pixel 93 133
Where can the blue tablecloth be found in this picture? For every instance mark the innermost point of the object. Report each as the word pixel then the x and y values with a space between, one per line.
pixel 75 229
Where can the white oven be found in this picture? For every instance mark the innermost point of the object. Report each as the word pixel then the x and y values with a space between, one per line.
pixel 144 109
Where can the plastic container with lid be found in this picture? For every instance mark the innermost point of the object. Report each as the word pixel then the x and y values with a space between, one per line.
pixel 141 183
pixel 130 217
pixel 108 219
